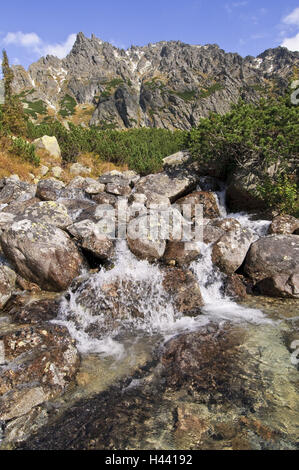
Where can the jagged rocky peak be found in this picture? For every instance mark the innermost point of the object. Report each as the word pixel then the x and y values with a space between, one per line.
pixel 168 84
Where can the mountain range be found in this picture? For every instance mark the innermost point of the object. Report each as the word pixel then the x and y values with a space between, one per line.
pixel 166 84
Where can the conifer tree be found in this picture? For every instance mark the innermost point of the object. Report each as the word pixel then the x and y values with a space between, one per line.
pixel 14 118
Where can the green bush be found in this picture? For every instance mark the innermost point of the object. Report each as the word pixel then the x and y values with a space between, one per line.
pixel 67 106
pixel 253 138
pixel 24 150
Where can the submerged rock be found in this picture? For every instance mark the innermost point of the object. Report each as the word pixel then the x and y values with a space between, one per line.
pixel 184 291
pixel 41 253
pixel 40 362
pixel 273 264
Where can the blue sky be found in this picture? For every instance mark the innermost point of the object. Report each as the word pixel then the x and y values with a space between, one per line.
pixel 29 29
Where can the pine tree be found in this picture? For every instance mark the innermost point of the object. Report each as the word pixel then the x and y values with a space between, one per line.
pixel 14 118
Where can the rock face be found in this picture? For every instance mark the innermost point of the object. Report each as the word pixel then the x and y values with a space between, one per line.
pixel 40 362
pixel 284 225
pixel 41 253
pixel 167 84
pixel 273 264
pixel 49 144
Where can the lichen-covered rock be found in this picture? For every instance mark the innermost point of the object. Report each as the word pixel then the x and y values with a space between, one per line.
pixel 140 240
pixel 15 191
pixel 77 169
pixel 49 189
pixel 284 225
pixel 18 208
pixel 41 253
pixel 206 199
pixel 184 290
pixel 273 264
pixel 91 238
pixel 49 144
pixel 104 198
pixel 181 253
pixel 49 212
pixel 168 184
pixel 40 362
pixel 230 250
pixel 22 311
pixel 7 284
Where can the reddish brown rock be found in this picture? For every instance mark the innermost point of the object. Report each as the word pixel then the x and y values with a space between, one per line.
pixel 284 225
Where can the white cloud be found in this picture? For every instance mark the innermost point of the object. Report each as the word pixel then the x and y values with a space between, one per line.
pixel 291 43
pixel 292 22
pixel 33 42
pixel 292 18
pixel 60 50
pixel 22 39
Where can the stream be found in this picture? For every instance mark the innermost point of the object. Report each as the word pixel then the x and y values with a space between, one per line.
pixel 125 395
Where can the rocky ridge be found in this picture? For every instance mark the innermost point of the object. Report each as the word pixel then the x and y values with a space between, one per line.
pixel 167 84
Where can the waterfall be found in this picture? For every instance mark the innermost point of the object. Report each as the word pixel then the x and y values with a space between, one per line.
pixel 87 311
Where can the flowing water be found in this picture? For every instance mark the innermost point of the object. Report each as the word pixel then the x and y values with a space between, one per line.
pixel 122 395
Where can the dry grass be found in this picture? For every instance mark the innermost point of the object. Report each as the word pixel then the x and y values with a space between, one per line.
pixel 12 164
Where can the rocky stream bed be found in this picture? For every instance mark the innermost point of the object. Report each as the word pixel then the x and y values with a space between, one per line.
pixel 143 343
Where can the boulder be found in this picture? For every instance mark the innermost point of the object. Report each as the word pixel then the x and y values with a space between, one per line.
pixel 49 189
pixel 170 184
pixel 49 144
pixel 181 253
pixel 90 238
pixel 141 242
pixel 57 171
pixel 273 264
pixel 41 253
pixel 18 208
pixel 104 198
pixel 48 212
pixel 184 291
pixel 6 219
pixel 77 169
pixel 22 311
pixel 89 185
pixel 15 191
pixel 284 225
pixel 7 284
pixel 207 199
pixel 178 159
pixel 40 362
pixel 230 250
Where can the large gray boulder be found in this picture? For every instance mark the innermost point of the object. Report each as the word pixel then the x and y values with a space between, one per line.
pixel 15 191
pixel 273 264
pixel 41 253
pixel 49 212
pixel 91 238
pixel 49 189
pixel 230 250
pixel 169 184
pixel 140 241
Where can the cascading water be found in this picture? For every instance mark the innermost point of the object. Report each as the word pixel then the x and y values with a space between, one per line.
pixel 134 290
